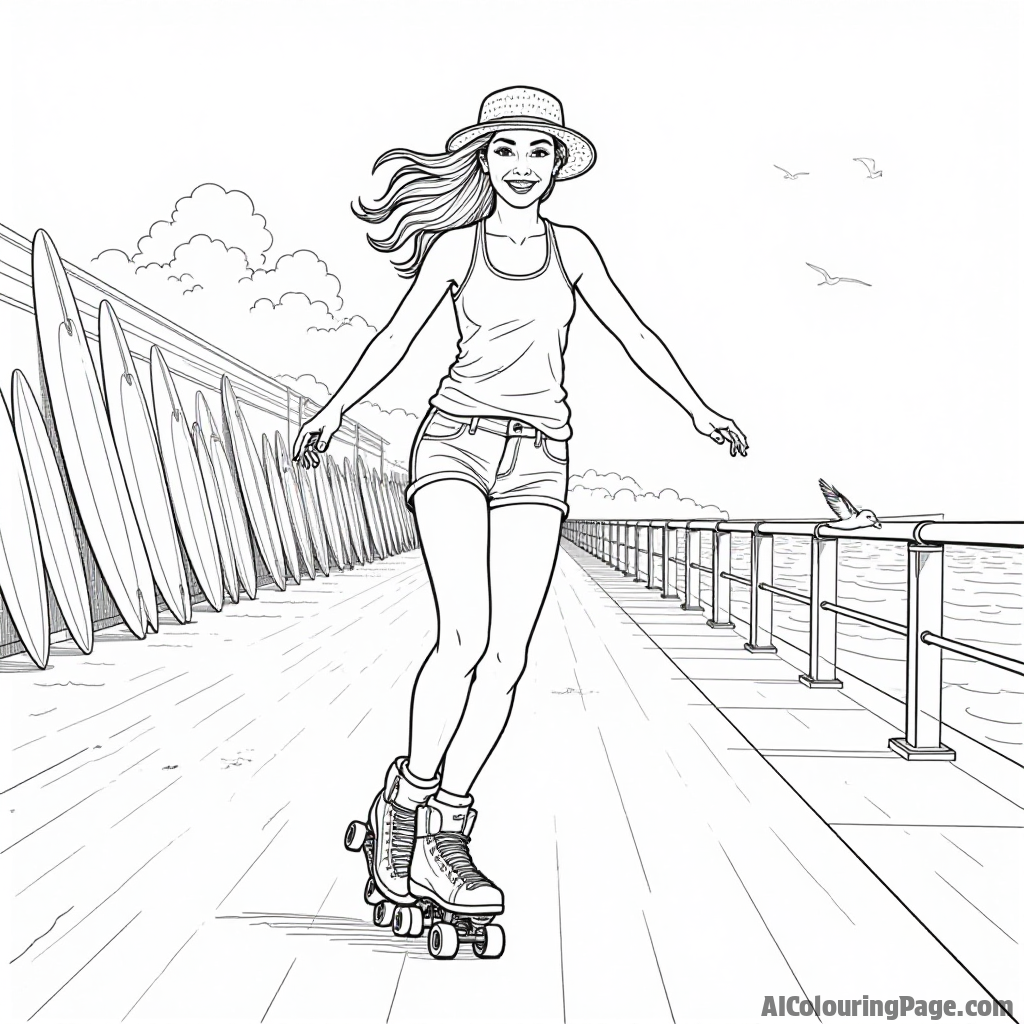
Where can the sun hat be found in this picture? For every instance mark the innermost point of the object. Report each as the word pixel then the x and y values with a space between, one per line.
pixel 523 107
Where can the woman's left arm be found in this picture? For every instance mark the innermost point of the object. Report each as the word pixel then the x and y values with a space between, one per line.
pixel 589 276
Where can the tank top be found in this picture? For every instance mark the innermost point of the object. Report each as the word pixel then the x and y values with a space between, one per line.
pixel 513 329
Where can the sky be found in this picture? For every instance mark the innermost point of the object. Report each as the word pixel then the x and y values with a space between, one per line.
pixel 907 395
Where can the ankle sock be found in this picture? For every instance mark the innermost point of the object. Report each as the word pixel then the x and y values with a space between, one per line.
pixel 403 767
pixel 453 800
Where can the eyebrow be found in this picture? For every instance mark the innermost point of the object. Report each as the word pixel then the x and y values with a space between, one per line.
pixel 536 142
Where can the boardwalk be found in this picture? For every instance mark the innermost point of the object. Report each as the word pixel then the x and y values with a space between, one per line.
pixel 174 811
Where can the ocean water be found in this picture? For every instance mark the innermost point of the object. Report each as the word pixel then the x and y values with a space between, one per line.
pixel 983 605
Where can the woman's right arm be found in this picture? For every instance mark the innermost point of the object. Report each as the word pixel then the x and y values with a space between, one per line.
pixel 445 266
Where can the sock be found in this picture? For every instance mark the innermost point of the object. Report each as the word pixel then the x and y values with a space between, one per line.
pixel 403 767
pixel 453 800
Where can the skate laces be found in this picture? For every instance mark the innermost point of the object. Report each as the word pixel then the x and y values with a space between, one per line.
pixel 454 850
pixel 402 834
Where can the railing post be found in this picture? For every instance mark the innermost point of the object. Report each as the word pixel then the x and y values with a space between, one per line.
pixel 624 545
pixel 762 566
pixel 721 597
pixel 923 740
pixel 650 556
pixel 606 541
pixel 821 671
pixel 667 565
pixel 691 559
pixel 636 551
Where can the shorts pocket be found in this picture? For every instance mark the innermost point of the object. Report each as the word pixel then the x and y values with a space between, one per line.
pixel 443 428
pixel 556 451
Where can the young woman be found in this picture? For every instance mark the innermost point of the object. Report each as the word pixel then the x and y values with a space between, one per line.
pixel 488 467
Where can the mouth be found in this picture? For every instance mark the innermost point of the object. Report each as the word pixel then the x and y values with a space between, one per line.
pixel 521 185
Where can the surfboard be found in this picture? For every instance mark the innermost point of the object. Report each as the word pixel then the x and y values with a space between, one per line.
pixel 225 546
pixel 400 511
pixel 358 514
pixel 334 478
pixel 396 517
pixel 62 558
pixel 86 441
pixel 293 501
pixel 315 520
pixel 328 513
pixel 349 533
pixel 238 525
pixel 22 578
pixel 370 506
pixel 387 516
pixel 191 507
pixel 139 454
pixel 253 483
pixel 282 514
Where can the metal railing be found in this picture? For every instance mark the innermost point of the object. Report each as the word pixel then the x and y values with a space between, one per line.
pixel 609 540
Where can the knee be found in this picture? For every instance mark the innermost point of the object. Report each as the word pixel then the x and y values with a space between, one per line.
pixel 461 649
pixel 501 668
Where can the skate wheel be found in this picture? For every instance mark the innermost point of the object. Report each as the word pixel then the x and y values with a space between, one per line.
pixel 383 913
pixel 408 921
pixel 355 836
pixel 443 941
pixel 490 942
pixel 371 894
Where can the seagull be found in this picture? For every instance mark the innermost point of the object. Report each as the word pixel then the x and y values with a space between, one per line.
pixel 849 516
pixel 790 177
pixel 829 279
pixel 869 163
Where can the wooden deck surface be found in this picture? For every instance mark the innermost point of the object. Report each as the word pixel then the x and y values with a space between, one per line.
pixel 173 813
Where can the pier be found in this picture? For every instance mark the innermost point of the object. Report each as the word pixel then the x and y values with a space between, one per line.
pixel 703 799
pixel 175 850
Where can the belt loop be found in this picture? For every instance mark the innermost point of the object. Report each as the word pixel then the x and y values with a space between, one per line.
pixel 538 439
pixel 473 424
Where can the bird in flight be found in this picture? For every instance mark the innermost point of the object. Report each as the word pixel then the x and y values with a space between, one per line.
pixel 829 279
pixel 869 163
pixel 848 516
pixel 789 177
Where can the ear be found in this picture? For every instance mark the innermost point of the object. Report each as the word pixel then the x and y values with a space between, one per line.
pixel 483 160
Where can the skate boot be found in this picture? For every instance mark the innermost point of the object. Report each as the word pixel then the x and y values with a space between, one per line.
pixel 386 838
pixel 453 896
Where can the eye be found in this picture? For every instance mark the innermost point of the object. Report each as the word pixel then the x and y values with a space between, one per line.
pixel 502 151
pixel 540 153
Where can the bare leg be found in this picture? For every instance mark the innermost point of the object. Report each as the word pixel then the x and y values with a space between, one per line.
pixel 524 545
pixel 451 516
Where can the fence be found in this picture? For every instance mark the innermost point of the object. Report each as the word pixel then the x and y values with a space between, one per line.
pixel 618 543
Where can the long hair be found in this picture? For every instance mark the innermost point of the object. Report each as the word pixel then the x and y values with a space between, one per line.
pixel 433 193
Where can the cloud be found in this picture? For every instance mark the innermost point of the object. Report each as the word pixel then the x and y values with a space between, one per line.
pixel 208 267
pixel 594 495
pixel 306 384
pixel 611 482
pixel 209 210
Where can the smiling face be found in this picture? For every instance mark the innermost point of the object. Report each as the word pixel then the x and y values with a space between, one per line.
pixel 521 164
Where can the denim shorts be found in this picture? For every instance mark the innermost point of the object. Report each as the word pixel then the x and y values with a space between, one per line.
pixel 509 460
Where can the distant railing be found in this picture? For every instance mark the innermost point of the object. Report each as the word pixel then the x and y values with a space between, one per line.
pixel 611 541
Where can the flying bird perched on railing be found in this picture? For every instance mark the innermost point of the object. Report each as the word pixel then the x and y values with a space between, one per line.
pixel 849 516
pixel 869 163
pixel 829 279
pixel 790 177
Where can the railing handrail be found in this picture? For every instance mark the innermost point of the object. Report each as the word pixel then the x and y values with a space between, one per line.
pixel 965 533
pixel 924 538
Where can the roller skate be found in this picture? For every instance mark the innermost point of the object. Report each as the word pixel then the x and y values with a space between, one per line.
pixel 386 839
pixel 450 898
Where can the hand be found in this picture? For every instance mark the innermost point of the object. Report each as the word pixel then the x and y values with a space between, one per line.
pixel 720 429
pixel 315 435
